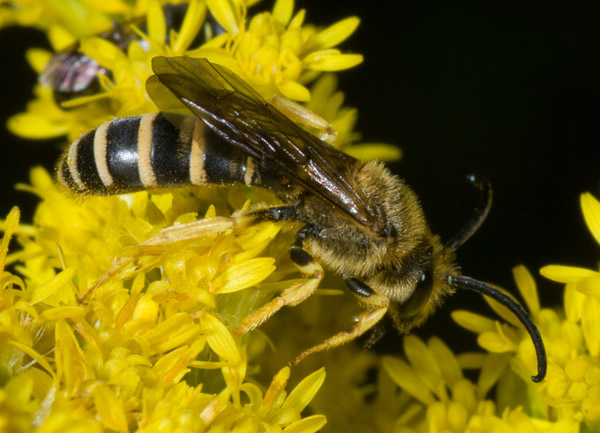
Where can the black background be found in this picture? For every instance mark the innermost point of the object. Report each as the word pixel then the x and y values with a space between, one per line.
pixel 511 92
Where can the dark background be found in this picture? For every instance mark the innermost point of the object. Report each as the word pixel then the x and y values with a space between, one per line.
pixel 510 92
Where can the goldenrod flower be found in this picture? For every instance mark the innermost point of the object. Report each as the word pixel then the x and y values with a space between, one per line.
pixel 274 51
pixel 118 362
pixel 445 400
pixel 571 392
pixel 150 348
pixel 66 19
pixel 574 338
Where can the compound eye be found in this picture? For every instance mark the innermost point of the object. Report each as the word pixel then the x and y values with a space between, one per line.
pixel 419 297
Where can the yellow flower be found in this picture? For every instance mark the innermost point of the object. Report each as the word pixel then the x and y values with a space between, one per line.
pixel 146 351
pixel 574 386
pixel 274 51
pixel 78 18
pixel 570 393
pixel 433 377
pixel 445 400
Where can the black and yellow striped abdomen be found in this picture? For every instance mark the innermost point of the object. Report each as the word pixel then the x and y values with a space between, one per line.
pixel 157 150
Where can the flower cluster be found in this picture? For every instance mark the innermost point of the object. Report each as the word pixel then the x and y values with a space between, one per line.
pixel 154 353
pixel 571 391
pixel 276 52
pixel 150 348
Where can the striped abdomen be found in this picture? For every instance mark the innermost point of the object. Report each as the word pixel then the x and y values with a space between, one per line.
pixel 157 150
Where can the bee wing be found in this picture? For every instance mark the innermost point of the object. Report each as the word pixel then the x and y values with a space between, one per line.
pixel 235 111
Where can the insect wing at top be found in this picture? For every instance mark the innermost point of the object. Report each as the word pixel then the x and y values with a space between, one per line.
pixel 236 112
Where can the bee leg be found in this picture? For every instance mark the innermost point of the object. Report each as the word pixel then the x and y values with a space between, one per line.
pixel 362 290
pixel 155 244
pixel 300 114
pixel 378 306
pixel 291 296
pixel 279 213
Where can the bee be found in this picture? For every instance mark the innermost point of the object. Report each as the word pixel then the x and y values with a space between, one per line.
pixel 358 219
pixel 72 74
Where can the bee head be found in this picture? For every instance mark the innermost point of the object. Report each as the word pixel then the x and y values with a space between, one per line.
pixel 436 275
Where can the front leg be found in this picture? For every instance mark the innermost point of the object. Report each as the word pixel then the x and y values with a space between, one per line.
pixel 293 295
pixel 377 307
pixel 188 232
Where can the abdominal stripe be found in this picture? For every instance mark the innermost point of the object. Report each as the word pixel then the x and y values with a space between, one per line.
pixel 155 150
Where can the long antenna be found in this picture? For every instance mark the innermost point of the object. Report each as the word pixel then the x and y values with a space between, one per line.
pixel 481 212
pixel 516 309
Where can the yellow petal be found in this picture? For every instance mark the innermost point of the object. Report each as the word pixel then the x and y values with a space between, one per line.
pixel 60 38
pixel 336 33
pixel 276 388
pixel 294 90
pixel 423 362
pixel 102 51
pixel 192 24
pixel 174 365
pixel 591 212
pixel 34 355
pixel 35 127
pixel 589 285
pixel 457 416
pixel 494 365
pixel 331 60
pixel 108 6
pixel 243 275
pixel 573 301
pixel 404 376
pixel 446 360
pixel 50 287
pixel 177 330
pixel 226 13
pixel 42 382
pixel 282 11
pixel 219 338
pixel 10 225
pixel 304 392
pixel 566 274
pixel 528 289
pixel 473 322
pixel 58 313
pixel 501 310
pixel 38 58
pixel 309 424
pixel 157 28
pixel 109 408
pixel 590 324
pixel 496 343
pixel 298 20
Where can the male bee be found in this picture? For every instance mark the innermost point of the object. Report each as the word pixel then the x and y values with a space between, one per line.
pixel 358 218
pixel 71 74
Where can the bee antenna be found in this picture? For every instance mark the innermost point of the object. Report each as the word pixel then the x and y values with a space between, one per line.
pixel 481 212
pixel 516 309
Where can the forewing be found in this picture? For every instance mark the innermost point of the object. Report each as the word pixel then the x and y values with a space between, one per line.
pixel 234 110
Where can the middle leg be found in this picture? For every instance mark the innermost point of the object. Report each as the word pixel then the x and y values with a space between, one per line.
pixel 293 295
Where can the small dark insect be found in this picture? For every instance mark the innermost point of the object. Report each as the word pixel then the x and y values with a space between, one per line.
pixel 359 219
pixel 72 74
